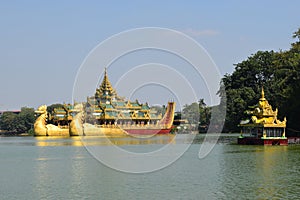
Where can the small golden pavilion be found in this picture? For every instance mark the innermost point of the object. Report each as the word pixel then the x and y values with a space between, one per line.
pixel 263 127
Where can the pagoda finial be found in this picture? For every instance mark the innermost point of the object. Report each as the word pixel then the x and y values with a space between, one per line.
pixel 105 71
pixel 105 82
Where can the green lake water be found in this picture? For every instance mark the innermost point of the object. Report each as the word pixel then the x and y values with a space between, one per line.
pixel 61 168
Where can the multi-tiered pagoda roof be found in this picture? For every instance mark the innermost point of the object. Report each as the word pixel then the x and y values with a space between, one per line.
pixel 107 107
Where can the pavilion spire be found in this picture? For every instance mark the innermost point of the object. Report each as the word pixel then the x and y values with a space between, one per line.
pixel 262 93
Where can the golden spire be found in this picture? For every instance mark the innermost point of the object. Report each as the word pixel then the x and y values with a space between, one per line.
pixel 262 94
pixel 105 89
pixel 105 85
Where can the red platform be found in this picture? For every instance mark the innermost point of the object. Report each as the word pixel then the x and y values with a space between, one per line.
pixel 259 141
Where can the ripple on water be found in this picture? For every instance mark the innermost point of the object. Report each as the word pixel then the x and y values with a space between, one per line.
pixel 30 171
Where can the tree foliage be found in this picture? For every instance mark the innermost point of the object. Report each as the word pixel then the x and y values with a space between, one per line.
pixel 159 109
pixel 277 72
pixel 17 123
pixel 197 114
pixel 51 108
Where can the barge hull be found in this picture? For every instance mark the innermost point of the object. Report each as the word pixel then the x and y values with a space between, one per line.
pixel 147 131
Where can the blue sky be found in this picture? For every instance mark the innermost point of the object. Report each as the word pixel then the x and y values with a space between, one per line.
pixel 43 43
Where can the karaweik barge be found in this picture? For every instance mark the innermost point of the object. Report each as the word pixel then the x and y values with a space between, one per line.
pixel 104 113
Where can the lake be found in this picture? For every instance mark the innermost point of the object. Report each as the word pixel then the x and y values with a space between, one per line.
pixel 64 168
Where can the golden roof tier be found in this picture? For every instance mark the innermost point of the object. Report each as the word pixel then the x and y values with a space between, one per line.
pixel 106 108
pixel 105 93
pixel 263 115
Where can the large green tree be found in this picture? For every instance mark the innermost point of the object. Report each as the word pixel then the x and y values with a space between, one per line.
pixel 18 123
pixel 277 72
pixel 243 85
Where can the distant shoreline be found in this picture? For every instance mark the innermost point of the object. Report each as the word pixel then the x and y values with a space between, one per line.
pixel 13 134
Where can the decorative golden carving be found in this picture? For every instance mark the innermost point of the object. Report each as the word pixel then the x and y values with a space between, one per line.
pixel 40 123
pixel 41 128
pixel 76 125
pixel 263 114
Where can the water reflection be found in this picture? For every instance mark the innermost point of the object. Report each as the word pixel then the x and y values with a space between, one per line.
pixel 34 168
pixel 272 169
pixel 57 141
pixel 42 175
pixel 256 172
pixel 57 165
pixel 103 141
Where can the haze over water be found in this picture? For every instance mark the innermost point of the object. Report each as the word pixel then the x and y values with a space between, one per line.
pixel 45 168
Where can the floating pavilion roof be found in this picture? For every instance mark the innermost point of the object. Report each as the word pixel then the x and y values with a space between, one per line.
pixel 263 115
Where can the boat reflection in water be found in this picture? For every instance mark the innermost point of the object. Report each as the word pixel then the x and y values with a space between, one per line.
pixel 103 140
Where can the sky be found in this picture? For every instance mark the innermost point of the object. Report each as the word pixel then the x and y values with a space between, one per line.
pixel 44 43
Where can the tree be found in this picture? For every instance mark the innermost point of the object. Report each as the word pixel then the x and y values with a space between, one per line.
pixel 197 114
pixel 191 113
pixel 277 72
pixel 26 118
pixel 159 109
pixel 204 116
pixel 7 121
pixel 51 108
pixel 18 123
pixel 296 45
pixel 243 85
